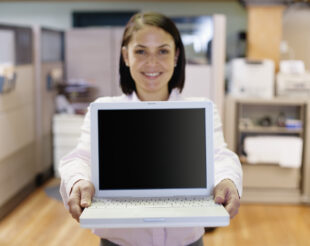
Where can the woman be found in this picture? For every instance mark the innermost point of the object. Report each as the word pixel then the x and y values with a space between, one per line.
pixel 152 68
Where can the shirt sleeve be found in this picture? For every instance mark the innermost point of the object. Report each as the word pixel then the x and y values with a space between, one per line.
pixel 226 162
pixel 76 165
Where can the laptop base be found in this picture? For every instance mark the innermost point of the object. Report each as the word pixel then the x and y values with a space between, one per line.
pixel 154 217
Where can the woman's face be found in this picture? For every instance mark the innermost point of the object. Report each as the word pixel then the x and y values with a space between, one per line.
pixel 151 58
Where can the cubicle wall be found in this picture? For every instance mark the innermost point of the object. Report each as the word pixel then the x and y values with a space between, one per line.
pixel 17 117
pixel 92 55
pixel 49 57
pixel 27 106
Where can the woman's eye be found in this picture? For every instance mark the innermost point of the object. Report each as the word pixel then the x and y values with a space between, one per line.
pixel 139 52
pixel 163 51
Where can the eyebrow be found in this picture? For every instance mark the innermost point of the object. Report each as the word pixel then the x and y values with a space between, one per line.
pixel 161 46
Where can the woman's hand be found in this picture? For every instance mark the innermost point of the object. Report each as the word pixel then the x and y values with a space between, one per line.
pixel 80 197
pixel 226 193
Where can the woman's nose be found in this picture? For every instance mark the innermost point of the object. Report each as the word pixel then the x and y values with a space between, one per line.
pixel 151 60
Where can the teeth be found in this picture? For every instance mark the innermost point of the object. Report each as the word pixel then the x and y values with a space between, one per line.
pixel 152 74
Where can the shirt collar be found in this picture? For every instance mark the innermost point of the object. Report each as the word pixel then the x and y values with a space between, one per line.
pixel 174 96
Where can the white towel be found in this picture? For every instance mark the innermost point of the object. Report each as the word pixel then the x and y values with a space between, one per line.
pixel 284 150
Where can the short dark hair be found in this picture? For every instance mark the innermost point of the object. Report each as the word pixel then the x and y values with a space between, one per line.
pixel 137 22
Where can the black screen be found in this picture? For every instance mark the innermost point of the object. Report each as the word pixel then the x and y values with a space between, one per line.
pixel 152 149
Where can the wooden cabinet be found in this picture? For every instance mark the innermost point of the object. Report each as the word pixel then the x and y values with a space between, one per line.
pixel 266 181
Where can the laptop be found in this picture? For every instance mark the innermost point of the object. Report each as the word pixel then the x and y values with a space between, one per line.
pixel 152 166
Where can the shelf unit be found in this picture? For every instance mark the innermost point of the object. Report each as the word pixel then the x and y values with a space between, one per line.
pixel 269 129
pixel 268 182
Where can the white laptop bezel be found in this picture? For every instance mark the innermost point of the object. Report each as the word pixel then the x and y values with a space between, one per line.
pixel 207 191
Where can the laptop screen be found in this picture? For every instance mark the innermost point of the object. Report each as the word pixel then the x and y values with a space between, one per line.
pixel 152 148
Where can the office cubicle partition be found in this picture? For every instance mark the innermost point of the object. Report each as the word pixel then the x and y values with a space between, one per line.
pixel 92 56
pixel 34 57
pixel 17 116
pixel 49 63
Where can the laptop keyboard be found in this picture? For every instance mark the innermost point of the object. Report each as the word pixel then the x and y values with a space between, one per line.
pixel 154 202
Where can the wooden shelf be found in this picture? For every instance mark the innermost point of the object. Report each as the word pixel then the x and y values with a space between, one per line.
pixel 269 182
pixel 272 101
pixel 269 129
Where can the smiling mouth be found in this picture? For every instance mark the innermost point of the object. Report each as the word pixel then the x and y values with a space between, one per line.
pixel 152 75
